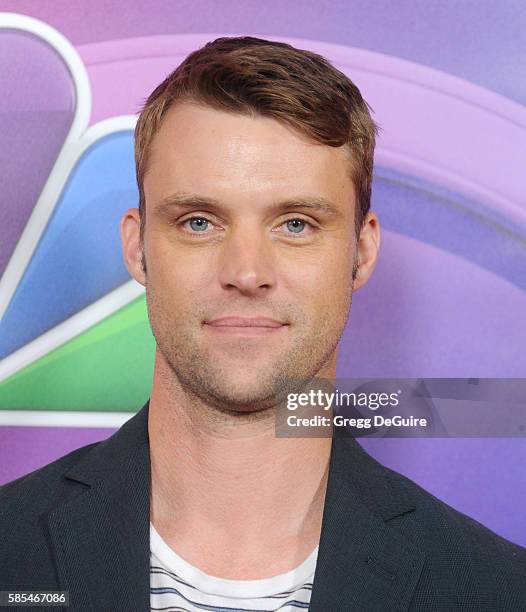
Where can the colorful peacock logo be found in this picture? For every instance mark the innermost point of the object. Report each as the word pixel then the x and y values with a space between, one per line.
pixel 73 326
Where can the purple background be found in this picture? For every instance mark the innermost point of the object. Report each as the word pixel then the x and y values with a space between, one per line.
pixel 481 42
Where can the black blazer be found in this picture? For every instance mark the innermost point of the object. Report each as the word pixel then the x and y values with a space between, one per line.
pixel 81 524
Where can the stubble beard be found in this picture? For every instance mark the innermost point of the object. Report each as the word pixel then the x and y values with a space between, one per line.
pixel 203 379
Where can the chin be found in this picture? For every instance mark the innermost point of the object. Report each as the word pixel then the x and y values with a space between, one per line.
pixel 244 398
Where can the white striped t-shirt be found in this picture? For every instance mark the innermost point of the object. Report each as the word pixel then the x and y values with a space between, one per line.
pixel 177 586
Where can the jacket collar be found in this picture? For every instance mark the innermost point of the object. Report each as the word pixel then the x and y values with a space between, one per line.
pixel 101 533
pixel 364 562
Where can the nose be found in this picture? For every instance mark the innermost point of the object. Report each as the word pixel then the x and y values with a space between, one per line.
pixel 247 262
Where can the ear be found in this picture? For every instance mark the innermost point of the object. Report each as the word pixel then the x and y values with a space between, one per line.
pixel 132 248
pixel 368 248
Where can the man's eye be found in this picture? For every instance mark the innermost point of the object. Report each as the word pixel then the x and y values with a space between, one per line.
pixel 296 226
pixel 197 224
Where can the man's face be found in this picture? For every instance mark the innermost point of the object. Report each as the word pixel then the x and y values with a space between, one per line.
pixel 245 218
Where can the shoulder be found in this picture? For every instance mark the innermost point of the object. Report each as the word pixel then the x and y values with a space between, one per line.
pixel 40 490
pixel 459 550
pixel 433 518
pixel 26 558
pixel 27 498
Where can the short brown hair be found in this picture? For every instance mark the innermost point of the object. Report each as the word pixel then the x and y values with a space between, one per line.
pixel 258 77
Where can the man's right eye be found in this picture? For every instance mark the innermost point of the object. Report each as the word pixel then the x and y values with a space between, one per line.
pixel 197 224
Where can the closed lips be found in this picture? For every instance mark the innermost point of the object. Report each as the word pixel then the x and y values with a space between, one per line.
pixel 244 322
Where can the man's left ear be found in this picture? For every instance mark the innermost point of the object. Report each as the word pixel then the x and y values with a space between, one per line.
pixel 368 248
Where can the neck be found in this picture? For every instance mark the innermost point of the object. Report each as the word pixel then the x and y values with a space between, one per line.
pixel 233 483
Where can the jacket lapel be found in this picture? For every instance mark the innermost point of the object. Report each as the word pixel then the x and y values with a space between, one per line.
pixel 363 562
pixel 101 535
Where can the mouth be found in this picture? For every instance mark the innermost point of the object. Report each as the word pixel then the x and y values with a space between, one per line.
pixel 254 326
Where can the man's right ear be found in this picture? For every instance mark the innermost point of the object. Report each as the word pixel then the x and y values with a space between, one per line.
pixel 132 249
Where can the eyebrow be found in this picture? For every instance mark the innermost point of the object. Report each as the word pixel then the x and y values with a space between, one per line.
pixel 188 201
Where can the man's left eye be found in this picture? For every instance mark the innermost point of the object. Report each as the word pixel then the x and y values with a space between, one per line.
pixel 199 224
pixel 296 226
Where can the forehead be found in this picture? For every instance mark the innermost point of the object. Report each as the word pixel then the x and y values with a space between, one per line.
pixel 202 150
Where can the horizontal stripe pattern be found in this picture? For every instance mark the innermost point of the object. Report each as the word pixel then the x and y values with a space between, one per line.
pixel 178 586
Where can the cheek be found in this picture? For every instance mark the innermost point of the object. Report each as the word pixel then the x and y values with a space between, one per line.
pixel 177 271
pixel 322 284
